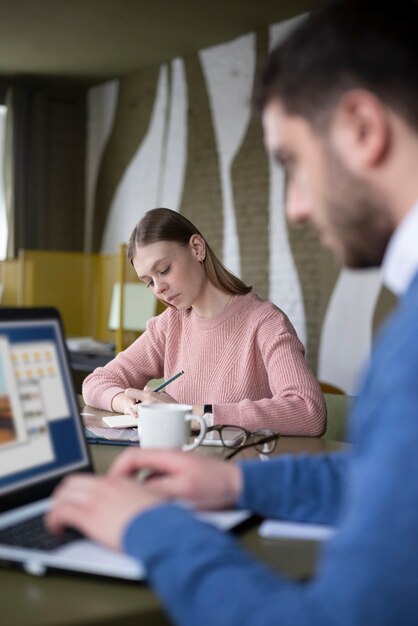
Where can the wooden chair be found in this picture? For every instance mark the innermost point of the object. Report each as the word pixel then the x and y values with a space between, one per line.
pixel 338 406
pixel 328 388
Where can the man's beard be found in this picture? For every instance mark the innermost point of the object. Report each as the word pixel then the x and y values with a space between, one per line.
pixel 356 216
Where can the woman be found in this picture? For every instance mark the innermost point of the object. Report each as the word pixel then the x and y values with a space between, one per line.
pixel 243 363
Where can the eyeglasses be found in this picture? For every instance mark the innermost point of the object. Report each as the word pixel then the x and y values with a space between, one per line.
pixel 238 438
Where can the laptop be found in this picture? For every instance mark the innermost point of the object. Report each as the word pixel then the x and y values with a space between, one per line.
pixel 42 440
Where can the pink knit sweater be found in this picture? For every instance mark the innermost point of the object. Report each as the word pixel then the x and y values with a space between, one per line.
pixel 247 362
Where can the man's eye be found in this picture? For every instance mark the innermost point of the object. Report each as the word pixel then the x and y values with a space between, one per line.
pixel 164 272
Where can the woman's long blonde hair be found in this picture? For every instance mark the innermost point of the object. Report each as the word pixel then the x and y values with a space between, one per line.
pixel 167 225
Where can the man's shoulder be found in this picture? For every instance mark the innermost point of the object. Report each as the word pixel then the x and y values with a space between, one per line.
pixel 395 352
pixel 404 321
pixel 411 295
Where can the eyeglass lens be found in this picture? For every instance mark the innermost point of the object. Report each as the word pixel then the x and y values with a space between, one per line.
pixel 265 440
pixel 233 436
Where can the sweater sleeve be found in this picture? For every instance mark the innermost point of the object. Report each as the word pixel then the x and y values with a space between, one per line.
pixel 133 367
pixel 296 406
pixel 367 574
pixel 299 487
pixel 204 577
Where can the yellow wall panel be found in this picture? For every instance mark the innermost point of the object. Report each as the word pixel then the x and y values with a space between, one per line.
pixel 107 275
pixel 66 280
pixel 79 285
pixel 9 280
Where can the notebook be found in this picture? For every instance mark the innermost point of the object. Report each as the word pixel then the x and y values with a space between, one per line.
pixel 282 529
pixel 42 440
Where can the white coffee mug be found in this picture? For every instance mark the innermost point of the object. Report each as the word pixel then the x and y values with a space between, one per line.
pixel 168 426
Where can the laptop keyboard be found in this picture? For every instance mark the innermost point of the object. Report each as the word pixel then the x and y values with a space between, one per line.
pixel 31 533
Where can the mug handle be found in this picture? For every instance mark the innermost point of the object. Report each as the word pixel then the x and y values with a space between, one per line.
pixel 191 446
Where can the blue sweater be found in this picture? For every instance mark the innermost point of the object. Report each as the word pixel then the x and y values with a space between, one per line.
pixel 368 573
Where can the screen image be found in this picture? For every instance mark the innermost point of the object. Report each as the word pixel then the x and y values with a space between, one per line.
pixel 40 433
pixel 7 427
pixel 12 427
pixel 7 422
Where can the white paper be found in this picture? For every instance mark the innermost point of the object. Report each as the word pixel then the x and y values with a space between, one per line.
pixel 82 554
pixel 121 421
pixel 274 529
pixel 224 520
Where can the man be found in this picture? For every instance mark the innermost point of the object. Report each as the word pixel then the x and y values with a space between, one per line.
pixel 339 103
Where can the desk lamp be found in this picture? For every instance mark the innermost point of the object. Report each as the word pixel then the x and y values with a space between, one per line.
pixel 135 304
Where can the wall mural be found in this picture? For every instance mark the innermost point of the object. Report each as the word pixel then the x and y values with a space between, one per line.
pixel 229 75
pixel 131 122
pixel 103 102
pixel 202 199
pixel 250 183
pixel 182 135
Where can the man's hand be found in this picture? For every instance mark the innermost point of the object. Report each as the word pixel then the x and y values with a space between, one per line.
pixel 99 507
pixel 205 482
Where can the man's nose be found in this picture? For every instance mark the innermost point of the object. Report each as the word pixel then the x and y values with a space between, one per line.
pixel 298 207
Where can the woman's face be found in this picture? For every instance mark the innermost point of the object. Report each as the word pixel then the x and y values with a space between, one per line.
pixel 173 272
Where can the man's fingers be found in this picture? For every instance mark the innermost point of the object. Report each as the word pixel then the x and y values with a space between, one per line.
pixel 77 486
pixel 64 515
pixel 168 487
pixel 163 462
pixel 77 491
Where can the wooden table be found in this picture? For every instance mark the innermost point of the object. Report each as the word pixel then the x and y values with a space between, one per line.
pixel 285 445
pixel 60 599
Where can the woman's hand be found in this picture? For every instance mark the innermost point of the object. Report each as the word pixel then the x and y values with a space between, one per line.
pixel 100 507
pixel 127 401
pixel 148 396
pixel 121 403
pixel 205 482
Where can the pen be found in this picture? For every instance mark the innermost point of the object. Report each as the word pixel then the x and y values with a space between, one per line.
pixel 168 381
pixel 165 383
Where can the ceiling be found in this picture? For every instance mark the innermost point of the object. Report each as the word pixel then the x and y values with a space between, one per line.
pixel 89 41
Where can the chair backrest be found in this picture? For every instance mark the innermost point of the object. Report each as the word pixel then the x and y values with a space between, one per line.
pixel 338 406
pixel 328 388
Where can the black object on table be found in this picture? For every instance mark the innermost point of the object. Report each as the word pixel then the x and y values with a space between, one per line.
pixel 83 362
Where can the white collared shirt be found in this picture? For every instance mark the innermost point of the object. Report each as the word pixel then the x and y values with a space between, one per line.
pixel 400 263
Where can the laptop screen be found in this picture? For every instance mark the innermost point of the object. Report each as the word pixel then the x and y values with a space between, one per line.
pixel 40 430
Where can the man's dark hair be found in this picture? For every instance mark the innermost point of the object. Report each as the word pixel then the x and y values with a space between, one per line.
pixel 344 45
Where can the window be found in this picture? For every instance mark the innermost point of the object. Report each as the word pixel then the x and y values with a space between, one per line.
pixel 3 218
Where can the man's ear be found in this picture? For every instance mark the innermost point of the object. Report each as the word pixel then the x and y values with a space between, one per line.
pixel 361 130
pixel 198 247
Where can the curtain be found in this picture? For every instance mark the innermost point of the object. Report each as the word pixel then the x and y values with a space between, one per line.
pixel 44 168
